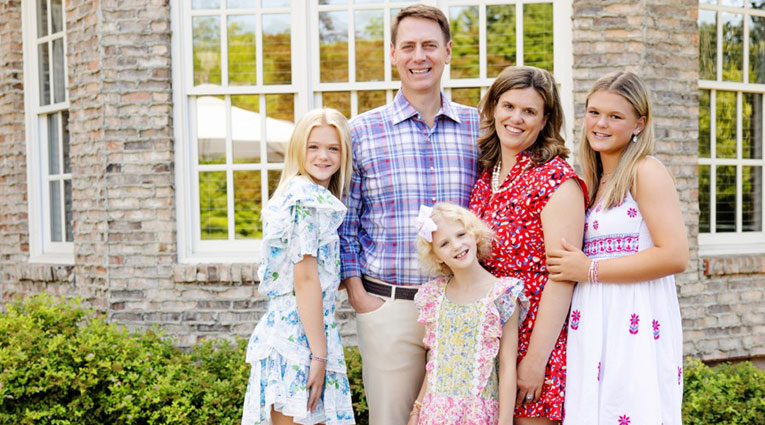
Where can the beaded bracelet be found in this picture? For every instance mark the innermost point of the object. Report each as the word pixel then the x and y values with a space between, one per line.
pixel 592 273
pixel 416 408
pixel 318 358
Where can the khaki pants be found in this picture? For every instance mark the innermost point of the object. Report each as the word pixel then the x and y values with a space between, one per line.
pixel 393 359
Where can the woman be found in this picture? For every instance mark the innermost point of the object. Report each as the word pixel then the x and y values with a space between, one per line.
pixel 532 199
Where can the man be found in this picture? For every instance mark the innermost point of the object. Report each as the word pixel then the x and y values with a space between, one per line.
pixel 418 150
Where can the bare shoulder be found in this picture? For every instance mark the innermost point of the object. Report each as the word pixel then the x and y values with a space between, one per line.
pixel 653 181
pixel 650 173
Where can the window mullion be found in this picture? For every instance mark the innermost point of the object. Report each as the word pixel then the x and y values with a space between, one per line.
pixel 713 165
pixel 739 168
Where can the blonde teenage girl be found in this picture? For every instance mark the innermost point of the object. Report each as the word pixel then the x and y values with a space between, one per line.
pixel 625 340
pixel 298 370
pixel 471 324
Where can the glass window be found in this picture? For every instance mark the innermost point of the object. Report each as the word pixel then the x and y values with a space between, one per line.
pixel 50 187
pixel 730 161
pixel 251 68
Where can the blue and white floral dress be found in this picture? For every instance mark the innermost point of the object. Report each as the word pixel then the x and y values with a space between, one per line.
pixel 302 220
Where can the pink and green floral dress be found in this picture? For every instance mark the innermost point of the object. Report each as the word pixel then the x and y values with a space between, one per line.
pixel 463 339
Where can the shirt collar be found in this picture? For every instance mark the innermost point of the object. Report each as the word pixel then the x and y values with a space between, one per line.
pixel 402 110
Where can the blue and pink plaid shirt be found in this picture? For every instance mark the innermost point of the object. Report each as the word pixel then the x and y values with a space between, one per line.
pixel 399 164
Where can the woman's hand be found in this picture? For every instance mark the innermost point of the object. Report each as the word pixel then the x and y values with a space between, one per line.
pixel 531 376
pixel 315 382
pixel 568 264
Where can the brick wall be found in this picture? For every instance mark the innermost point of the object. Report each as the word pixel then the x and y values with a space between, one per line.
pixel 122 151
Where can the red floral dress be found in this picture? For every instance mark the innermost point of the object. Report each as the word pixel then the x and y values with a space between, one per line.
pixel 515 215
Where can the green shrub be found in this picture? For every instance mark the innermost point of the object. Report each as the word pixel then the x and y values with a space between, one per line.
pixel 726 394
pixel 353 365
pixel 62 364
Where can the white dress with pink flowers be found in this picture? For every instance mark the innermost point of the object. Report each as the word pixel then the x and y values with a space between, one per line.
pixel 625 341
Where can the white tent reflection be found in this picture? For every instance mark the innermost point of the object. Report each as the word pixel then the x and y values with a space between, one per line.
pixel 245 133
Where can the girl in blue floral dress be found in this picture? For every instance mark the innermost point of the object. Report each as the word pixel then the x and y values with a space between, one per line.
pixel 298 371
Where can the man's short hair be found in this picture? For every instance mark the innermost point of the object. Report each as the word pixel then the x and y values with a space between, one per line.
pixel 424 12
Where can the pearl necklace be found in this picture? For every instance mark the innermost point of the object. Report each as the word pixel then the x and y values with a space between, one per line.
pixel 495 177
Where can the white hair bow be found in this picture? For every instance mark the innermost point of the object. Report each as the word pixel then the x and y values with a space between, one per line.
pixel 425 225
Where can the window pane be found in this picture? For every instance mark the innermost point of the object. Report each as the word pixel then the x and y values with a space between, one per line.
pixel 340 100
pixel 333 1
pixel 42 18
pixel 469 96
pixel 500 38
pixel 756 49
pixel 276 3
pixel 707 44
pixel 333 46
pixel 43 68
pixel 726 124
pixel 465 42
pixel 206 35
pixel 368 1
pixel 370 52
pixel 394 72
pixel 756 4
pixel 751 126
pixel 241 4
pixel 273 181
pixel 245 128
pixel 704 124
pixel 538 35
pixel 59 93
pixel 68 209
pixel 726 199
pixel 53 152
pixel 211 129
pixel 733 3
pixel 733 45
pixel 280 109
pixel 704 205
pixel 56 12
pixel 277 64
pixel 65 140
pixel 751 207
pixel 205 4
pixel 55 210
pixel 213 218
pixel 369 100
pixel 241 50
pixel 247 204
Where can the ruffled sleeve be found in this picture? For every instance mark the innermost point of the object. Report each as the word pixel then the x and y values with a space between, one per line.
pixel 428 300
pixel 513 297
pixel 302 220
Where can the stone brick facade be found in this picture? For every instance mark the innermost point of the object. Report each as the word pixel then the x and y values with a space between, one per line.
pixel 122 153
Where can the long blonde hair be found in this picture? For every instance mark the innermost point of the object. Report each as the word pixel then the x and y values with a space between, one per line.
pixel 549 143
pixel 294 161
pixel 630 87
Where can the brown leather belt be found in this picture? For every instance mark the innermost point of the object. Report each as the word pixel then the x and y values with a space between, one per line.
pixel 390 291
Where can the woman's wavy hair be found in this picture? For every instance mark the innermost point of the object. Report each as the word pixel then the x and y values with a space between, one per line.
pixel 294 161
pixel 629 86
pixel 549 143
pixel 473 225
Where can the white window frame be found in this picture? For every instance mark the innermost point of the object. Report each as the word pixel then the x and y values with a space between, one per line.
pixel 41 248
pixel 308 94
pixel 738 242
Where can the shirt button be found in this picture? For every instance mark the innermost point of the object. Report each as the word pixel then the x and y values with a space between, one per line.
pixel 432 168
pixel 434 199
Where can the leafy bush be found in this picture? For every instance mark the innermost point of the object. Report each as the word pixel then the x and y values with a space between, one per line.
pixel 62 364
pixel 726 394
